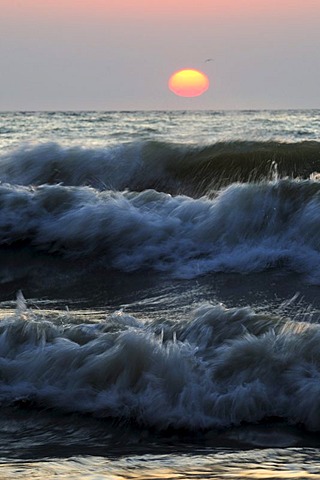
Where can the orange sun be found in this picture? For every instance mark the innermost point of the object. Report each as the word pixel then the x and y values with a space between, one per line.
pixel 188 83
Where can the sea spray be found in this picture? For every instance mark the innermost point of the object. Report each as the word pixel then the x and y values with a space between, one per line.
pixel 218 368
pixel 193 170
pixel 246 227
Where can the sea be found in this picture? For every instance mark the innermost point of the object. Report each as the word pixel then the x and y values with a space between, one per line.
pixel 159 295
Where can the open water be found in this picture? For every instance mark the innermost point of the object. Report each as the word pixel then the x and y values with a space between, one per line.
pixel 159 295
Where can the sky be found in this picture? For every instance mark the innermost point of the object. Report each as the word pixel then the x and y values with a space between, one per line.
pixel 119 54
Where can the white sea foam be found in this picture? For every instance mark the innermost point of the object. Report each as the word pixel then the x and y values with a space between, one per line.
pixel 51 163
pixel 245 228
pixel 169 167
pixel 220 368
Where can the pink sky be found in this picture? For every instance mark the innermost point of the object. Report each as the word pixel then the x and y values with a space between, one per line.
pixel 118 54
pixel 168 10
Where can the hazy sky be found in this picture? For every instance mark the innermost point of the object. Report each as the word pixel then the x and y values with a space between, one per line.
pixel 119 54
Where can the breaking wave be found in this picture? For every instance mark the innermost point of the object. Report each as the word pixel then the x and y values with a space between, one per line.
pixel 244 228
pixel 191 170
pixel 219 368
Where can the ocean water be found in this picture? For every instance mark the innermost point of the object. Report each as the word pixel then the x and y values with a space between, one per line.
pixel 159 295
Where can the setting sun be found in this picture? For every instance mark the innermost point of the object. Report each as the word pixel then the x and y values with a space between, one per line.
pixel 188 83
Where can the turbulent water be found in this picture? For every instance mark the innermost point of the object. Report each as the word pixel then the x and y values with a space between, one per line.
pixel 159 288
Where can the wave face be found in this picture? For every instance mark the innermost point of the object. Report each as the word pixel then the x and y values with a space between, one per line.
pixel 244 228
pixel 221 367
pixel 184 169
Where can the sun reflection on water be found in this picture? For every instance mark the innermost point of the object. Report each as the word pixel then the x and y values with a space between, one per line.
pixel 223 464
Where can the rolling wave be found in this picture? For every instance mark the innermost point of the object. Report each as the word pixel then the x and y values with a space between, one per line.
pixel 246 227
pixel 219 368
pixel 191 170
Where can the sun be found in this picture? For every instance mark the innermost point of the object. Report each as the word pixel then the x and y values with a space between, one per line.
pixel 188 83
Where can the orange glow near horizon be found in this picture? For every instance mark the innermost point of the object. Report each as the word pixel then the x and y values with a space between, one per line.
pixel 188 83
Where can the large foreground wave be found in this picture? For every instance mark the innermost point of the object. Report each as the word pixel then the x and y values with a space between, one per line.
pixel 221 367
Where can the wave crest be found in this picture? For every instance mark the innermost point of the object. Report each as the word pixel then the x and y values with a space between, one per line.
pixel 162 166
pixel 244 228
pixel 219 368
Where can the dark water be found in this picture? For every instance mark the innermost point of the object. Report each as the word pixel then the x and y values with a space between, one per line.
pixel 159 295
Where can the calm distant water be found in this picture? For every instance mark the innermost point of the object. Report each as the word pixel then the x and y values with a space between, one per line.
pixel 159 295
